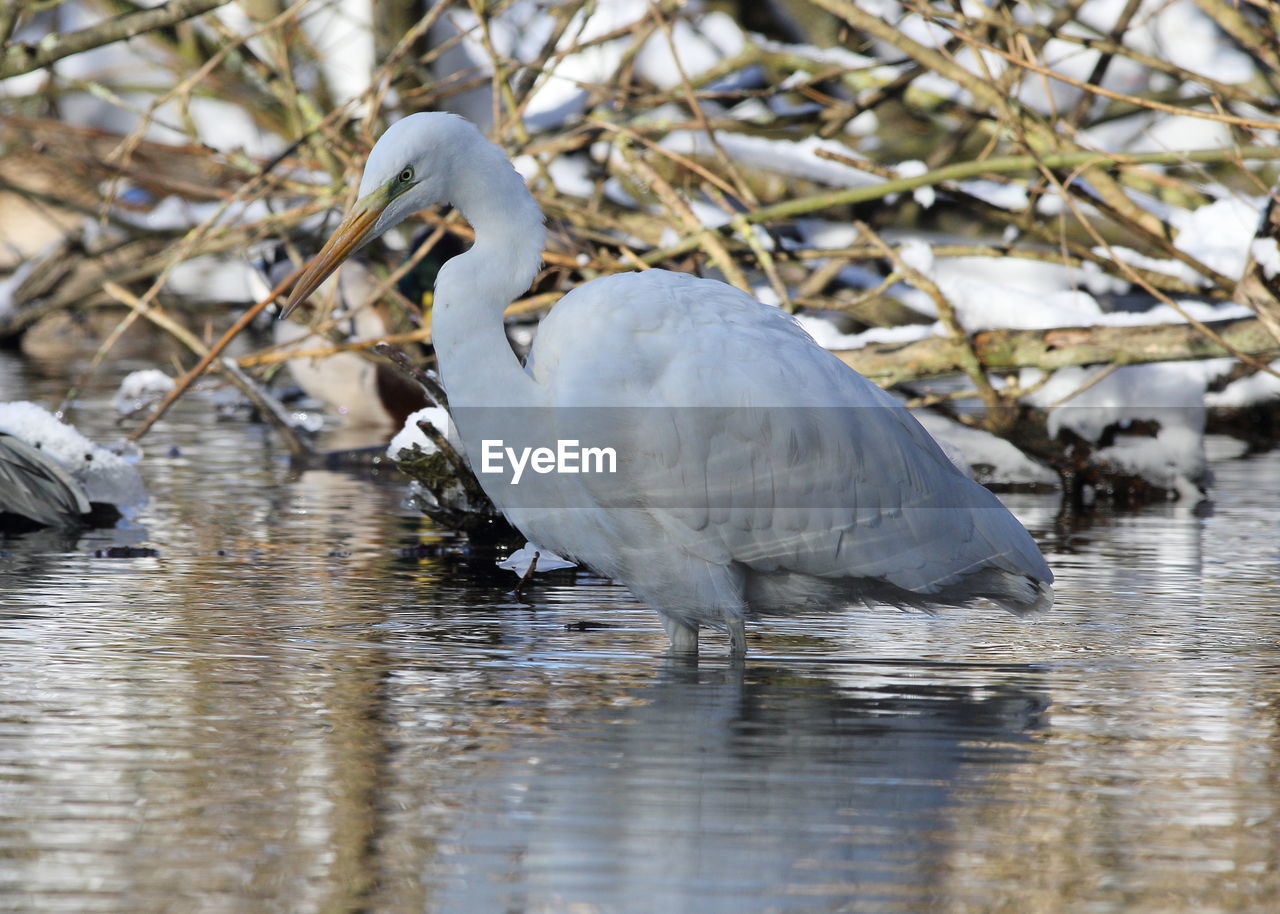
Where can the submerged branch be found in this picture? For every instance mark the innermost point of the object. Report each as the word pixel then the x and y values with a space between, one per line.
pixel 214 351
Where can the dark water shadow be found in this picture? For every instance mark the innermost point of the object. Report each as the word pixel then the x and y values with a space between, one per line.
pixel 769 787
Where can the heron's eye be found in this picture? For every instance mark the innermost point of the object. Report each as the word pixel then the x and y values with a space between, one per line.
pixel 407 175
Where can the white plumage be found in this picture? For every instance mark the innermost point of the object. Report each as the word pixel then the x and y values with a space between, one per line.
pixel 756 473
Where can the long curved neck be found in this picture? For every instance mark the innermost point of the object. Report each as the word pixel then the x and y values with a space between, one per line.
pixel 473 289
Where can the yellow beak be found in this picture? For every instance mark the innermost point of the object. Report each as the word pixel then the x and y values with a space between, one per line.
pixel 348 236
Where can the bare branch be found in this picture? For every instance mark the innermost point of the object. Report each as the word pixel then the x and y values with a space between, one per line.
pixel 1064 347
pixel 23 58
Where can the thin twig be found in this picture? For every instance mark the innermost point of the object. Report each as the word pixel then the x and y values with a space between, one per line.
pixel 269 408
pixel 969 360
pixel 180 386
pixel 428 382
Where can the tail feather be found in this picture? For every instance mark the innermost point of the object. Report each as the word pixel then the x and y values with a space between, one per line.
pixel 1022 595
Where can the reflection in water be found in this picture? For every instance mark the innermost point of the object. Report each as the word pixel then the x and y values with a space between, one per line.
pixel 715 791
pixel 282 710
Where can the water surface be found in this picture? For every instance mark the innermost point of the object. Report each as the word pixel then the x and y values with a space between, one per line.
pixel 310 700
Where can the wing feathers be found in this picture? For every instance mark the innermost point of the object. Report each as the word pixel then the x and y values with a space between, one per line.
pixel 758 447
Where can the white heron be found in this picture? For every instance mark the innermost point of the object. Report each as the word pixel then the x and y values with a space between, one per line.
pixel 757 475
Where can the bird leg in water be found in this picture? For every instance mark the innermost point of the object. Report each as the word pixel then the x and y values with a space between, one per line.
pixel 737 628
pixel 683 635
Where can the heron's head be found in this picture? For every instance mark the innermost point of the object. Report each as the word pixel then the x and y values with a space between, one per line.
pixel 409 169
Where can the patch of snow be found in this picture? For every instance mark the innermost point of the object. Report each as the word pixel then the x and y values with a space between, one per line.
pixel 10 283
pixel 984 456
pixel 213 277
pixel 933 83
pixel 753 109
pixel 917 254
pixel 795 158
pixel 1067 58
pixel 912 26
pixel 836 56
pixel 1010 292
pixel 520 560
pixel 410 434
pixel 997 193
pixel 766 295
pixel 826 335
pixel 1164 132
pixel 174 213
pixel 220 125
pixel 913 168
pixel 1256 388
pixel 170 214
pixel 1163 314
pixel 1174 268
pixel 1177 31
pixel 106 476
pixel 864 125
pixel 1099 283
pixel 342 33
pixel 140 389
pixel 520 30
pixel 1050 204
pixel 709 215
pixel 1219 234
pixel 615 191
pixel 1172 460
pixel 569 174
pixel 823 234
pixel 1266 251
pixel 305 420
pixel 1168 393
pixel 698 47
pixel 522 335
pixel 992 294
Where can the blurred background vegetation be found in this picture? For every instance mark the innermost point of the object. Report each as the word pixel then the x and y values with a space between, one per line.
pixel 937 189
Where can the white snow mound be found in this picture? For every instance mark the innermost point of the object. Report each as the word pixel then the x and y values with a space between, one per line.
pixel 107 477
